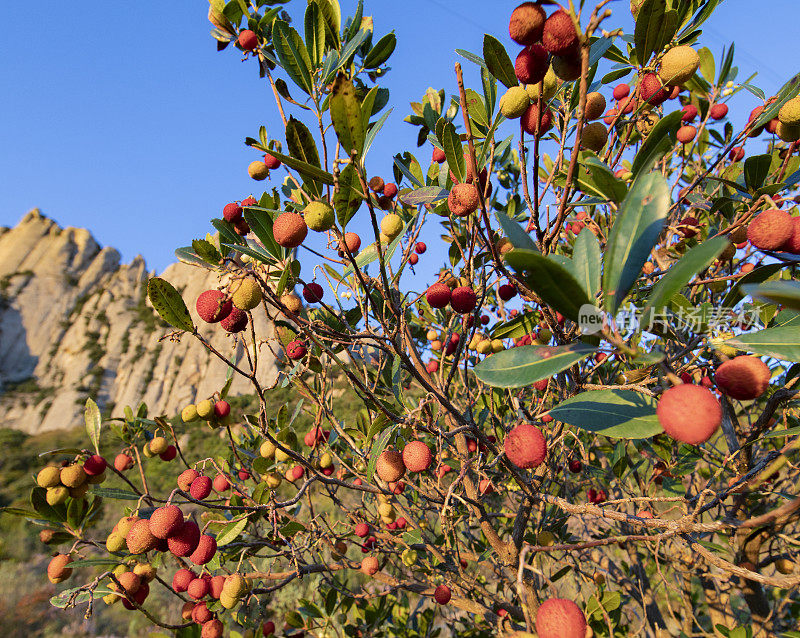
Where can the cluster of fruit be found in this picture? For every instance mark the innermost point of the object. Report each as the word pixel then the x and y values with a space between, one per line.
pixel 214 412
pixel 230 308
pixel 71 479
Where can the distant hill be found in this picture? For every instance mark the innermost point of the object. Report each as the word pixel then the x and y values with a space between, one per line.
pixel 75 323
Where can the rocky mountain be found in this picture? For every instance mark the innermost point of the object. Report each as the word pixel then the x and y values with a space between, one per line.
pixel 75 322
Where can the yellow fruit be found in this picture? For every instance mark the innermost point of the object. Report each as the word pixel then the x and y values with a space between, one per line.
pixel 145 571
pixel 514 102
pixel 79 492
pixel 645 123
pixel 784 566
pixel 49 476
pixel 228 601
pixel 545 538
pixel 790 112
pixel 595 106
pixel 788 132
pixel 115 542
pixel 319 216
pixel 258 170
pixel 273 480
pixel 484 346
pixel 205 408
pixel 159 445
pixel 497 345
pixel 325 461
pixel 280 455
pixel 392 225
pixel 267 449
pixel 247 294
pixel 385 509
pixel 550 85
pixel 189 413
pixel 292 302
pixel 73 475
pixel 678 65
pixel 595 136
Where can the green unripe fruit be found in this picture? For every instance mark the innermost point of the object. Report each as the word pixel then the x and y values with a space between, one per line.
pixel 205 408
pixel 550 85
pixel 148 453
pixel 56 495
pixel 78 492
pixel 678 65
pixel 280 455
pixel 545 335
pixel 595 136
pixel 273 480
pixel 235 586
pixel 386 510
pixel 73 475
pixel 96 479
pixel 391 225
pixel 247 294
pixel 325 461
pixel 159 445
pixel 409 557
pixel 228 601
pixel 497 345
pixel 189 413
pixel 790 113
pixel 48 477
pixel 319 216
pixel 788 132
pixel 484 346
pixel 267 449
pixel 514 102
pixel 115 542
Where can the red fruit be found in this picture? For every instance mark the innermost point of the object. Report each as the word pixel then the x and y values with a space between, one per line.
pixel 689 413
pixel 247 40
pixel 417 456
pixel 771 229
pixel 452 346
pixel 530 120
pixel 575 466
pixel 438 295
pixel 560 618
pixel 312 292
pixel 397 487
pixel 198 588
pixel 442 594
pixel 718 111
pixel 296 473
pixel 686 134
pixel 438 155
pixel 609 118
pixel 271 161
pixel 185 541
pixel 361 530
pixel 206 548
pixel 420 247
pixel 432 367
pixel 621 91
pixel 221 483
pixel 213 306
pixel 170 453
pixel 139 597
pixel 249 201
pixel 268 628
pixel 484 319
pixel 222 409
pixel 688 228
pixel 181 580
pixel 507 291
pixel 525 446
pixel 369 565
pixel 651 91
pixel 559 36
pixel 296 350
pixel 463 200
pixel 166 521
pixel 389 190
pixel 122 462
pixel 792 245
pixel 541 384
pixel 243 475
pixel 744 377
pixel 200 488
pixel 185 479
pixel 94 465
pixel 352 241
pixel 212 629
pixel 485 486
pixel 531 64
pixel 289 229
pixel 527 23
pixel 463 300
pixel 413 259
pixel 232 212
pixel 736 154
pixel 689 113
pixel 201 614
pixel 235 322
pixel 401 523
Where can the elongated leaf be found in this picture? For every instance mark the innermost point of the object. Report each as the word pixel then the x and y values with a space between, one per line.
pixel 370 254
pixel 308 171
pixel 315 33
pixel 169 304
pixel 346 115
pixel 231 531
pixel 498 62
pixel 784 293
pixel 755 276
pixel 655 27
pixel 472 58
pixel 618 414
pixel 347 198
pixel 756 169
pixel 658 143
pixel 678 275
pixel 586 262
pixel 381 52
pixel 260 222
pixel 426 195
pixel 115 492
pixel 515 233
pixel 292 54
pixel 781 343
pixel 517 327
pixel 403 168
pixel 374 129
pixel 188 256
pixel 227 232
pixel 207 251
pixel 635 232
pixel 378 446
pixel 302 146
pixel 453 152
pixel 332 14
pixel 602 179
pixel 524 365
pixel 91 416
pixel 254 251
pixel 350 49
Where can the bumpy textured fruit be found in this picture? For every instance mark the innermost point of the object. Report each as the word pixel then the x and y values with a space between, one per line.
pixel 232 212
pixel 213 306
pixel 514 102
pixel 788 132
pixel 139 538
pixel 212 629
pixel 267 449
pixel 525 446
pixel 234 322
pixel 594 136
pixel 560 618
pixel 206 548
pixel 158 444
pixel 790 112
pixel 463 300
pixel 49 476
pixel 115 542
pixel 319 216
pixel 246 294
pixel 559 36
pixel 235 585
pixel 352 241
pixel 200 488
pixel 128 582
pixel 95 465
pixel 463 200
pixel 166 521
pixel 296 350
pixel 247 40
pixel 438 295
pixel 771 229
pixel 645 123
pixel 792 245
pixel 189 414
pixel 595 105
pixel 651 91
pixel 527 23
pixel 313 292
pixel 73 475
pixel 185 541
pixel 258 170
pixel 744 377
pixel 57 570
pixel 181 579
pixel 390 467
pixel 549 85
pixel 689 413
pixel 686 134
pixel 442 594
pixel 718 111
pixel 531 64
pixel 370 565
pixel 530 120
pixel 289 229
pixel 391 225
pixel 390 190
pixel 567 67
pixel 417 456
pixel 678 65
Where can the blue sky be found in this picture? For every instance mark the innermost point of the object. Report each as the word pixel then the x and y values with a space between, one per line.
pixel 123 118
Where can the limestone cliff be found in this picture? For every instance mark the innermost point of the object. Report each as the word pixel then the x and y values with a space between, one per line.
pixel 74 323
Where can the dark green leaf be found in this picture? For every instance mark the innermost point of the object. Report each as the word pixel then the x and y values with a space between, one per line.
pixel 427 195
pixel 381 52
pixel 515 233
pixel 315 34
pixel 453 152
pixel 781 343
pixel 498 62
pixel 517 327
pixel 188 256
pixel 524 365
pixel 292 54
pixel 333 20
pixel 756 169
pixel 260 222
pixel 302 147
pixel 227 232
pixel 586 262
pixel 169 304
pixel 115 493
pixel 346 116
pixel 206 251
pixel 311 171
pixel 618 414
pixel 655 27
pixel 755 276
pixel 783 293
pixel 347 197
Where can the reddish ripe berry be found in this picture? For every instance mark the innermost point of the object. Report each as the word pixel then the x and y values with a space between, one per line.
pixel 530 120
pixel 621 91
pixel 718 112
pixel 213 306
pixel 243 475
pixel 442 594
pixel 438 295
pixel 463 300
pixel 417 456
pixel 484 319
pixel 389 190
pixel 525 446
pixel 200 488
pixel 247 40
pixel 123 462
pixel 312 292
pixel 232 212
pixel 361 530
pixel 296 350
pixel 609 118
pixel 689 113
pixel 507 291
pixel 221 483
pixel 651 91
pixel 531 64
pixel 438 155
pixel 420 247
pixel 736 154
pixel 94 465
pixel 222 409
pixel 575 466
pixel 413 259
pixel 170 453
pixel 271 161
pixel 432 367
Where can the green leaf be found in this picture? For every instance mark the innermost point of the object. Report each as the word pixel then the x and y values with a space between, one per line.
pixel 586 261
pixel 187 255
pixel 231 531
pixel 373 130
pixel 453 152
pixel 292 55
pixel 555 285
pixel 678 275
pixel 636 230
pixel 346 115
pixel 595 177
pixel 370 254
pixel 780 343
pixel 332 14
pixel 517 327
pixel 617 414
pixel 498 62
pixel 378 446
pixel 427 195
pixel 169 304
pixel 260 222
pixel 302 147
pixel 381 52
pixel 46 511
pixel 655 27
pixel 755 276
pixel 707 66
pixel 91 417
pixel 227 231
pixel 310 171
pixel 517 235
pixel 756 169
pixel 206 251
pixel 524 365
pixel 347 197
pixel 315 33
pixel 115 493
pixel 658 143
pixel 784 293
